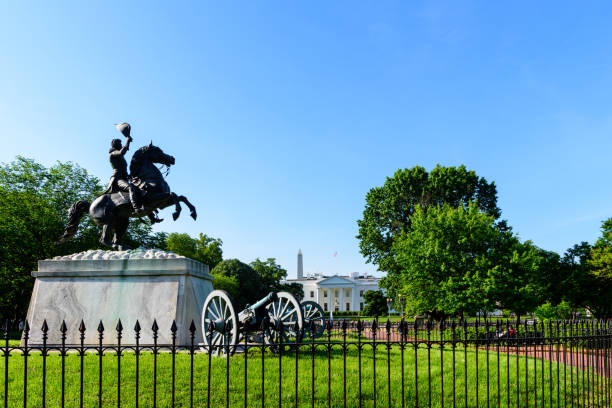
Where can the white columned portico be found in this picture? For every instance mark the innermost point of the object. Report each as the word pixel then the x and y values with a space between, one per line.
pixel 355 305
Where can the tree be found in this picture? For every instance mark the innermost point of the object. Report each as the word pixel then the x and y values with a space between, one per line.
pixel 296 289
pixel 29 226
pixel 250 286
pixel 272 274
pixel 577 280
pixel 230 284
pixel 455 261
pixel 375 303
pixel 389 208
pixel 204 249
pixel 600 263
pixel 517 279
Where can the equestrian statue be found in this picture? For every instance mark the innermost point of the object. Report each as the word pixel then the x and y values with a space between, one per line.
pixel 140 193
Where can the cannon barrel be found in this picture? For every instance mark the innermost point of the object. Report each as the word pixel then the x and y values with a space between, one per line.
pixel 248 314
pixel 272 296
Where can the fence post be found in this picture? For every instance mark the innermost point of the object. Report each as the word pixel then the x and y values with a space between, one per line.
pixel 155 329
pixel 26 337
pixel 45 331
pixel 192 331
pixel 119 329
pixel 173 330
pixel 6 362
pixel 100 354
pixel 137 330
pixel 63 330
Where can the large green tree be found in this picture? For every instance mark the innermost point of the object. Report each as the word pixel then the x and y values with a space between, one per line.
pixel 456 261
pixel 389 208
pixel 204 248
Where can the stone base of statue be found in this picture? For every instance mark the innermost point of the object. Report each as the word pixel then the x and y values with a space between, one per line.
pixel 105 286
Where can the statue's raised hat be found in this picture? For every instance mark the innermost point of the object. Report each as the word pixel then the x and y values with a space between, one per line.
pixel 124 128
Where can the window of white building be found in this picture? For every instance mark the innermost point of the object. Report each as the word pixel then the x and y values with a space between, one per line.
pixel 324 293
pixel 312 293
pixel 325 306
pixel 360 306
pixel 361 293
pixel 348 306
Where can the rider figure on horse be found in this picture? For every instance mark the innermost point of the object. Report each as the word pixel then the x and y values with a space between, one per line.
pixel 120 180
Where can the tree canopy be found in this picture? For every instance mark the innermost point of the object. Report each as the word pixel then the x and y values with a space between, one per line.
pixel 600 263
pixel 273 274
pixel 204 249
pixel 375 303
pixel 389 208
pixel 455 262
pixel 250 286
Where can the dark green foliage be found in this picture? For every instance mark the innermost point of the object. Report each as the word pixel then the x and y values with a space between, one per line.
pixel 296 289
pixel 250 285
pixel 271 276
pixel 375 303
pixel 270 273
pixel 204 249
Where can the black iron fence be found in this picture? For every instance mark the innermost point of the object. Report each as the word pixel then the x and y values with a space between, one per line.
pixel 348 364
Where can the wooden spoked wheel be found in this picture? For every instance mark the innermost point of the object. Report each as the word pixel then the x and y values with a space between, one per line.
pixel 219 323
pixel 286 322
pixel 313 313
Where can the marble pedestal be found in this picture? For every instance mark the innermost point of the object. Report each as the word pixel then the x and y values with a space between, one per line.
pixel 106 286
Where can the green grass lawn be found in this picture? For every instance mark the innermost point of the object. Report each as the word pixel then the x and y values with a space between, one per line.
pixel 287 373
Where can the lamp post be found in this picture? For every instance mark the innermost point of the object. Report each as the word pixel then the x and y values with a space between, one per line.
pixel 389 300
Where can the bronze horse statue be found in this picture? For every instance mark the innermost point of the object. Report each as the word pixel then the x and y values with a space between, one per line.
pixel 113 211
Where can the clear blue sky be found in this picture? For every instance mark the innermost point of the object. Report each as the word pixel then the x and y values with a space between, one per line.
pixel 282 115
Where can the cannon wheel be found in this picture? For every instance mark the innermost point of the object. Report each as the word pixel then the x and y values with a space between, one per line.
pixel 285 310
pixel 313 312
pixel 219 309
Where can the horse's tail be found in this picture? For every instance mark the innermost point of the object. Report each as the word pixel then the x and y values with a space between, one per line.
pixel 74 219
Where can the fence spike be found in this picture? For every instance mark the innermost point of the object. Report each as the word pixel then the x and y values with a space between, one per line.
pixel 119 327
pixel 192 327
pixel 45 327
pixel 100 327
pixel 155 327
pixel 173 328
pixel 137 326
pixel 82 326
pixel 63 328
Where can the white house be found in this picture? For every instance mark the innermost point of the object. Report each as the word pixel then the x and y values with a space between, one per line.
pixel 337 293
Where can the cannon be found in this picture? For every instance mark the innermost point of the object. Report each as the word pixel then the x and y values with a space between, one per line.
pixel 278 317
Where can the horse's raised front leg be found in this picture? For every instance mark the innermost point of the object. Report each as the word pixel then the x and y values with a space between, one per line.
pixel 177 206
pixel 184 199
